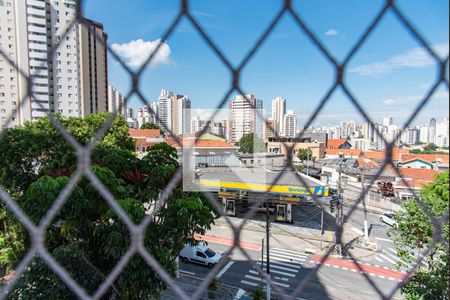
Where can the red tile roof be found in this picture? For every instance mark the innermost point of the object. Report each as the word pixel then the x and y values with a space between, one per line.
pixel 416 177
pixel 144 133
pixel 204 143
pixel 335 143
pixel 366 163
pixel 346 152
pixel 380 155
pixel 430 158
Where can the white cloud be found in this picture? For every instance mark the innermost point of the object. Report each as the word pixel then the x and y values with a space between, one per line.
pixel 416 57
pixel 332 32
pixel 136 52
pixel 388 102
pixel 440 95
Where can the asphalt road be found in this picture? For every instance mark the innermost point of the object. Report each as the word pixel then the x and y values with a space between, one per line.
pixel 333 281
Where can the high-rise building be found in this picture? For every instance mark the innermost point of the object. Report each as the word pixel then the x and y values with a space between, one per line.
pixel 432 133
pixel 442 133
pixel 73 81
pixel 181 119
pixel 93 66
pixel 424 132
pixel 269 129
pixel 387 121
pixel 165 109
pixel 278 112
pixel 290 124
pixel 116 101
pixel 244 117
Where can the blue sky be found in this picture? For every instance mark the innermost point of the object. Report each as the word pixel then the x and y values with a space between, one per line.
pixel 389 74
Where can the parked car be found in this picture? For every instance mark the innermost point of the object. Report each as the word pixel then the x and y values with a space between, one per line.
pixel 388 218
pixel 200 254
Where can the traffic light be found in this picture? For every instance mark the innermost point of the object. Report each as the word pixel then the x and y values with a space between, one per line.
pixel 332 205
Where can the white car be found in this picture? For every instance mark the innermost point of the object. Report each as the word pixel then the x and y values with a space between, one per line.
pixel 200 254
pixel 388 218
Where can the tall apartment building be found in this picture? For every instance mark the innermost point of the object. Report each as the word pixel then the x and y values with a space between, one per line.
pixel 165 109
pixel 388 121
pixel 181 114
pixel 116 101
pixel 269 129
pixel 147 114
pixel 432 133
pixel 278 112
pixel 72 81
pixel 290 124
pixel 244 117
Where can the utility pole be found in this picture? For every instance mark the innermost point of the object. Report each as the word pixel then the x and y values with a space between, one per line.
pixel 307 161
pixel 267 248
pixel 321 228
pixel 366 228
pixel 338 207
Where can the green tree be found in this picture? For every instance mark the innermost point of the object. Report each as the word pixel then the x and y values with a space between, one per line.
pixel 251 143
pixel 304 154
pixel 150 125
pixel 415 232
pixel 87 237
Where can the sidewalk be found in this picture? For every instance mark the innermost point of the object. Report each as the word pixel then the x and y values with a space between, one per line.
pixel 189 285
pixel 288 237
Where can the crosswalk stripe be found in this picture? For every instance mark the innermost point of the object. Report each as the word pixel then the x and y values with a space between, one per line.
pixel 283 262
pixel 392 250
pixel 391 255
pixel 380 260
pixel 260 279
pixel 249 283
pixel 275 272
pixel 283 258
pixel 286 251
pixel 288 254
pixel 387 258
pixel 272 265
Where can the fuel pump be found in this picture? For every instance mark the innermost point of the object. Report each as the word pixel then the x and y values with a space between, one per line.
pixel 230 207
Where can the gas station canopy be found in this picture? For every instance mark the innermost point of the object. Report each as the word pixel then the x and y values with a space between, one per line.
pixel 260 180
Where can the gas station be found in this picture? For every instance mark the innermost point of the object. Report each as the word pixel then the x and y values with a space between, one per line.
pixel 238 189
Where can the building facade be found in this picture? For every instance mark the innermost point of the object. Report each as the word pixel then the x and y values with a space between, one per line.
pixel 116 101
pixel 278 112
pixel 244 117
pixel 290 124
pixel 72 81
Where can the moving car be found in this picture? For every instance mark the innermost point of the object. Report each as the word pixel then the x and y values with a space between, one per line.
pixel 200 254
pixel 388 218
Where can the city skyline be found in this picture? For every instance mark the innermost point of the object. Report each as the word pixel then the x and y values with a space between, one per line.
pixel 390 59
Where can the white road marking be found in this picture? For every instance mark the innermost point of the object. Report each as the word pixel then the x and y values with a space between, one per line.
pixel 187 272
pixel 287 254
pixel 358 231
pixel 380 260
pixel 283 258
pixel 387 258
pixel 392 250
pixel 392 256
pixel 249 283
pixel 228 265
pixel 260 279
pixel 276 272
pixel 284 250
pixel 272 265
pixel 384 240
pixel 239 294
pixel 282 262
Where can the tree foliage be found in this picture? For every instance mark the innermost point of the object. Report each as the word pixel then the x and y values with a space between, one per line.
pixel 304 154
pixel 251 143
pixel 87 237
pixel 415 233
pixel 150 125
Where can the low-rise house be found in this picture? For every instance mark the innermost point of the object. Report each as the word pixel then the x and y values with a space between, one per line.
pixel 338 144
pixel 342 153
pixel 145 138
pixel 438 162
pixel 415 179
